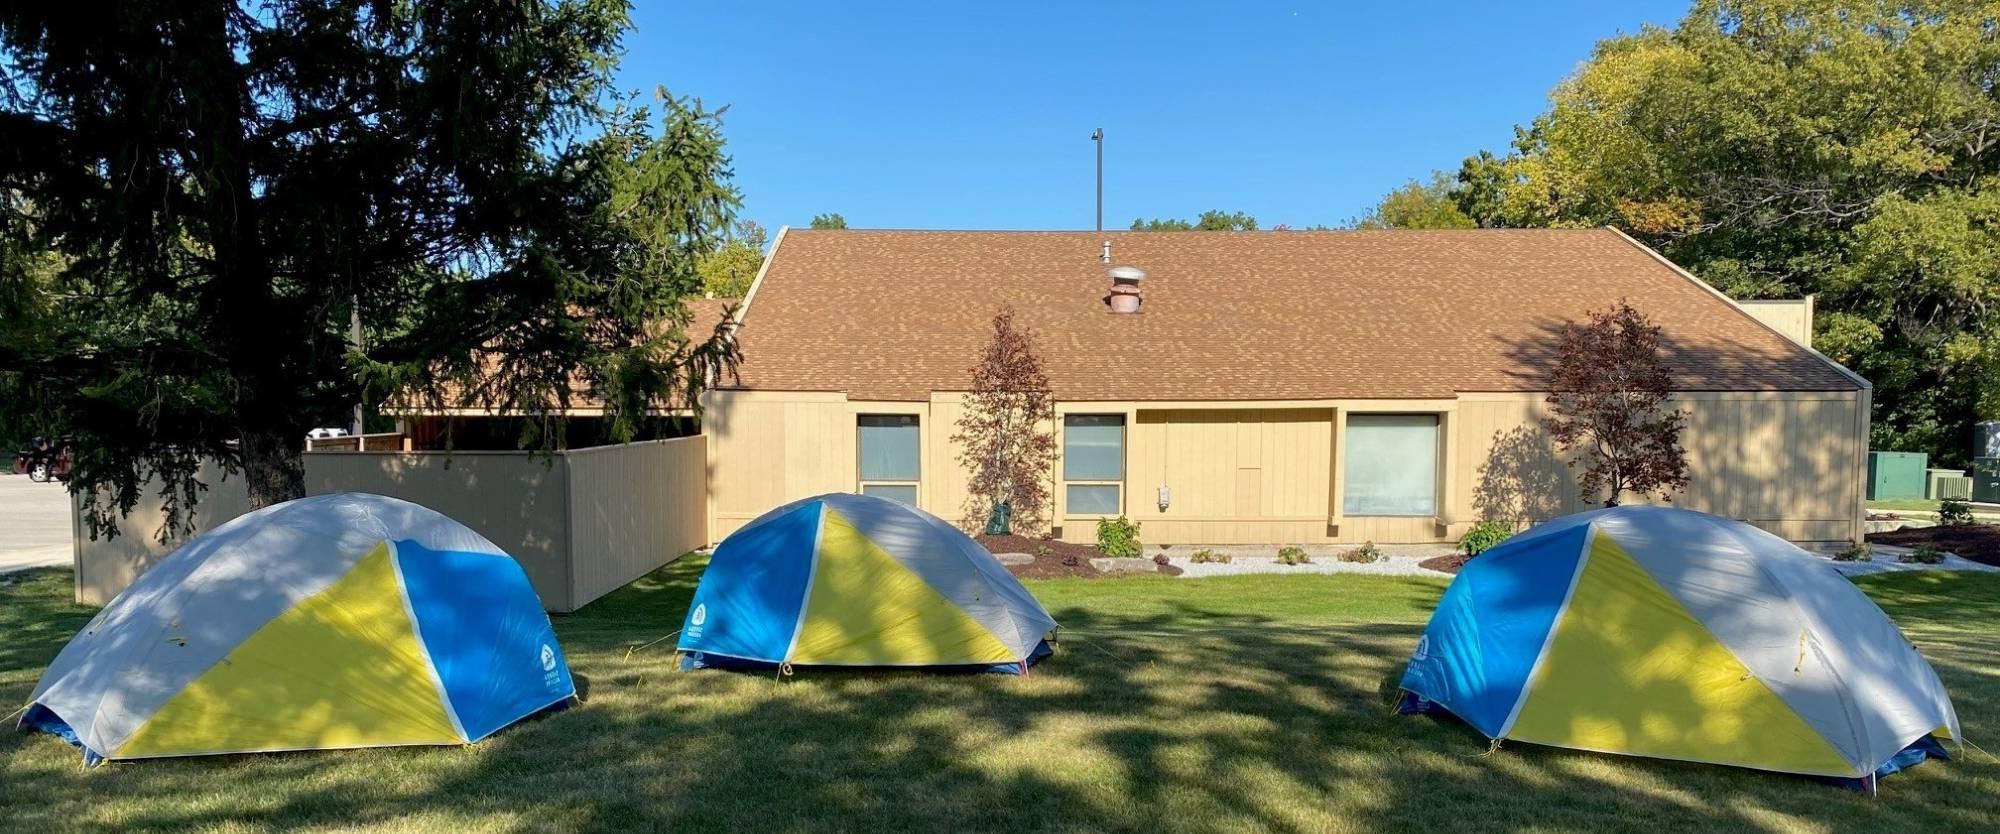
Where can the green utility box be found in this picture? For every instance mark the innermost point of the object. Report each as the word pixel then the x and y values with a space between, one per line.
pixel 1893 475
pixel 1986 480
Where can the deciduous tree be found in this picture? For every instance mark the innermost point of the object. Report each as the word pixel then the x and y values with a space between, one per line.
pixel 1005 434
pixel 1214 220
pixel 728 271
pixel 1419 205
pixel 1608 402
pixel 830 220
pixel 1784 147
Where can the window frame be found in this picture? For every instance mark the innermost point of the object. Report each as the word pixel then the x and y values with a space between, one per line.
pixel 1346 459
pixel 1124 465
pixel 861 483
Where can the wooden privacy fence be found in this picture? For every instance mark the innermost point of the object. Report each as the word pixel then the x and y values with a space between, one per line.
pixel 582 522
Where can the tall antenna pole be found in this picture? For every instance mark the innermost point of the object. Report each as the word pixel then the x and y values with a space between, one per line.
pixel 1098 137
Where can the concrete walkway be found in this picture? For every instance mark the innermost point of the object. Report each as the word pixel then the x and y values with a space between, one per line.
pixel 34 524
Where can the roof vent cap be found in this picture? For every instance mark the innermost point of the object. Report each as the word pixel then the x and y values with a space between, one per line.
pixel 1125 292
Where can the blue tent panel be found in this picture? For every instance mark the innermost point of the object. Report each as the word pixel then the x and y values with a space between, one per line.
pixel 486 634
pixel 1475 656
pixel 750 597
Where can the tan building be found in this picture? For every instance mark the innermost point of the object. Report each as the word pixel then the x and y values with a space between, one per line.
pixel 1273 387
pixel 477 427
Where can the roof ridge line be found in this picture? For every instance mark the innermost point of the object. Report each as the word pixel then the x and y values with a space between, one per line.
pixel 749 295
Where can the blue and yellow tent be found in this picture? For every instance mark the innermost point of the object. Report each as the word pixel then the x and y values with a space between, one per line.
pixel 853 580
pixel 1653 631
pixel 345 620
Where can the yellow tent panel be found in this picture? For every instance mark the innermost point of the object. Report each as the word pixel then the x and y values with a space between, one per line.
pixel 866 608
pixel 341 669
pixel 1631 671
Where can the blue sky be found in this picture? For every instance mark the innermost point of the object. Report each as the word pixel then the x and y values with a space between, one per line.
pixel 955 115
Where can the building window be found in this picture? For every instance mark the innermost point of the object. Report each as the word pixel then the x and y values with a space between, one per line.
pixel 1093 464
pixel 888 446
pixel 1392 463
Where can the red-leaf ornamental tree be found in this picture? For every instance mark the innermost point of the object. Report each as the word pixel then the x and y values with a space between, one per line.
pixel 1608 393
pixel 1005 436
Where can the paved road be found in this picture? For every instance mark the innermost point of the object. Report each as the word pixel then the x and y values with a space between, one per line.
pixel 34 524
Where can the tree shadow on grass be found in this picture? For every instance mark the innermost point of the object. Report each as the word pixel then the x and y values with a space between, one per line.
pixel 1179 719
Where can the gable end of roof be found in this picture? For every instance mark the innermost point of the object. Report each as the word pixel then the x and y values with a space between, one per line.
pixel 1710 288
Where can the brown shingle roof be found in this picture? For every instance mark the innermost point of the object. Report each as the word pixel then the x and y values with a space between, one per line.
pixel 895 315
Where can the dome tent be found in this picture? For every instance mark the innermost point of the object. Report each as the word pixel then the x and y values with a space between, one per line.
pixel 854 580
pixel 336 621
pixel 1661 632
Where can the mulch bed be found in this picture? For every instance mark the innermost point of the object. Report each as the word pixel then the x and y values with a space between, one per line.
pixel 1447 564
pixel 1049 564
pixel 1978 542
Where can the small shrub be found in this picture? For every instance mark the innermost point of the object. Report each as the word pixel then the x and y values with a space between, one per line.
pixel 1205 556
pixel 1292 554
pixel 1924 554
pixel 1856 552
pixel 1484 536
pixel 1366 554
pixel 1954 512
pixel 1118 537
pixel 1160 559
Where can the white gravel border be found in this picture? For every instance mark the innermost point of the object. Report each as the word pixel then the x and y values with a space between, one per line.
pixel 1887 560
pixel 1402 559
pixel 1399 560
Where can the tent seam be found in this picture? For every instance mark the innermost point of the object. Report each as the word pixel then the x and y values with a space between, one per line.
pixel 812 573
pixel 1549 639
pixel 423 648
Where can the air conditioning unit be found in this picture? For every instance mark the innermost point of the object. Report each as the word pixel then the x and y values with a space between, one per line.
pixel 1893 475
pixel 1986 479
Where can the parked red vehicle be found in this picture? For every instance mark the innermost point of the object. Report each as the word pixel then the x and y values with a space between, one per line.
pixel 43 461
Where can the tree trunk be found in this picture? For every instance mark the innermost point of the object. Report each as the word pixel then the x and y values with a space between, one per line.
pixel 274 466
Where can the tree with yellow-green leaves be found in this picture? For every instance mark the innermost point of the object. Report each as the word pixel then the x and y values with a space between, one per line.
pixel 728 271
pixel 1784 147
pixel 1419 205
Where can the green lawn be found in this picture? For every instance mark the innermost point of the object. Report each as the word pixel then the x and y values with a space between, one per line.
pixel 1237 704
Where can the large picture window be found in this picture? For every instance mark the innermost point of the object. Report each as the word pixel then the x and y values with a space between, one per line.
pixel 1093 464
pixel 888 446
pixel 1392 463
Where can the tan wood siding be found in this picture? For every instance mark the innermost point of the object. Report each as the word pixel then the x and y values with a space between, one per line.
pixel 1785 462
pixel 1230 472
pixel 1791 316
pixel 767 450
pixel 1268 472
